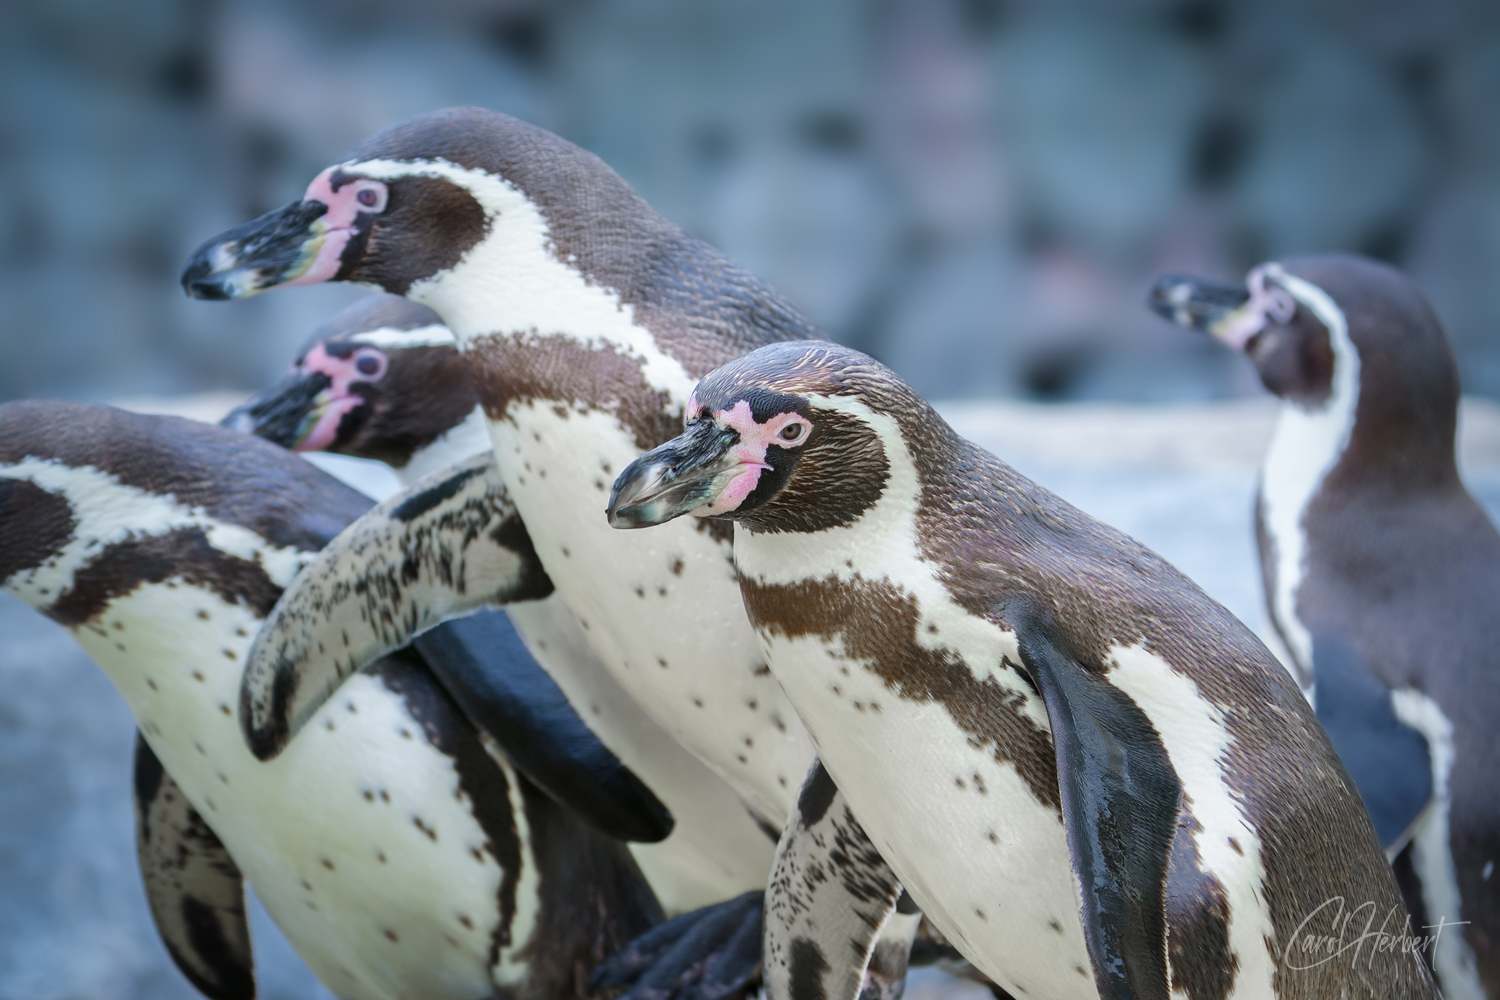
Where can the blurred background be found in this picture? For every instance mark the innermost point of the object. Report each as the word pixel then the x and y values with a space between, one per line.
pixel 978 192
pixel 975 191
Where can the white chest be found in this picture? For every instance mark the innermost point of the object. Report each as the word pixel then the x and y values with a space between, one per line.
pixel 661 608
pixel 378 904
pixel 983 858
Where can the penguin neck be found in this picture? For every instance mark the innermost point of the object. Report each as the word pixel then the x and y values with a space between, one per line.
pixel 1306 445
pixel 513 284
pixel 470 438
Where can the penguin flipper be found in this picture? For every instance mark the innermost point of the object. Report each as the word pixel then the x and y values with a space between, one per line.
pixel 488 671
pixel 838 926
pixel 1390 762
pixel 194 888
pixel 443 547
pixel 709 953
pixel 1120 804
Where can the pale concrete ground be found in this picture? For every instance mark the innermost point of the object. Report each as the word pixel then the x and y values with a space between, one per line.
pixel 73 919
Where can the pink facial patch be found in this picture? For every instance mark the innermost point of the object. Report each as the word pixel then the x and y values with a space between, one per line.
pixel 360 195
pixel 750 450
pixel 1268 303
pixel 364 365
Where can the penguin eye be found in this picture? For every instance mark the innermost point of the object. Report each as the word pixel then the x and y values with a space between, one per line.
pixel 371 364
pixel 793 432
pixel 371 196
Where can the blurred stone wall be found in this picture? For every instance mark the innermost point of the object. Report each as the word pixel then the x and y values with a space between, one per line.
pixel 977 191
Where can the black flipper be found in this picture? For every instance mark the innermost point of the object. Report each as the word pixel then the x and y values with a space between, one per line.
pixel 443 547
pixel 195 891
pixel 838 926
pixel 507 695
pixel 707 954
pixel 1389 761
pixel 1121 799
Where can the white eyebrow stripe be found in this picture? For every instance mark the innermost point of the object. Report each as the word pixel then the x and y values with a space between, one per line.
pixel 434 335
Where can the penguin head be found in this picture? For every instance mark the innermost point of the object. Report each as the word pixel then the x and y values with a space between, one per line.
pixel 380 380
pixel 1304 322
pixel 407 206
pixel 791 437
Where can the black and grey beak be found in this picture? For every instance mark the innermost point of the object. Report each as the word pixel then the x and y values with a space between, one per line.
pixel 676 478
pixel 1198 305
pixel 285 414
pixel 271 250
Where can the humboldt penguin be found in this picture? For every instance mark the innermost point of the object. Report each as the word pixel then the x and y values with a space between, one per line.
pixel 1381 572
pixel 397 847
pixel 586 318
pixel 384 380
pixel 1090 776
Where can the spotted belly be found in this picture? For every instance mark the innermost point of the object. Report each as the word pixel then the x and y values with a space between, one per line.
pixel 358 838
pixel 661 608
pixel 985 860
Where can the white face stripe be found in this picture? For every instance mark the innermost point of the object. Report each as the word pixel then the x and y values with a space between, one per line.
pixel 433 335
pixel 1194 734
pixel 511 283
pixel 1432 855
pixel 1305 446
pixel 879 545
pixel 108 511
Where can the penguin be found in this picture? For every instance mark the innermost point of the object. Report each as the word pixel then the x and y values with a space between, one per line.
pixel 1089 776
pixel 585 318
pixel 1381 571
pixel 402 852
pixel 384 380
pixel 346 393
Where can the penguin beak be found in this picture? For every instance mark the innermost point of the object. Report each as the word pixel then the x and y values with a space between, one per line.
pixel 1199 305
pixel 276 249
pixel 688 473
pixel 287 413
